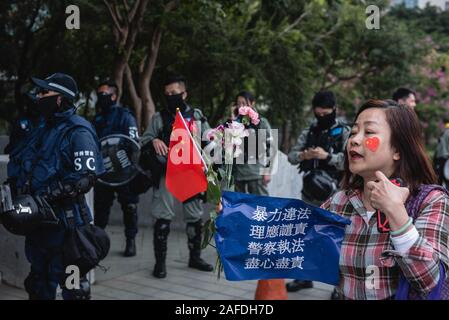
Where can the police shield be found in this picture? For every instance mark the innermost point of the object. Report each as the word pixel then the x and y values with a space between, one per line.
pixel 120 157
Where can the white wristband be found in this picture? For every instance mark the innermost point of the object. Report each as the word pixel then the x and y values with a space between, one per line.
pixel 405 241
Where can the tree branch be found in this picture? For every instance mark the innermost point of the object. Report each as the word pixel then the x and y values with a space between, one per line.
pixel 133 11
pixel 153 50
pixel 170 6
pixel 117 11
pixel 113 16
pixel 296 22
pixel 126 6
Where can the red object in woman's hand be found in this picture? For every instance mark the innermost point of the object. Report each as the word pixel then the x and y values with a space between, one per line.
pixel 383 225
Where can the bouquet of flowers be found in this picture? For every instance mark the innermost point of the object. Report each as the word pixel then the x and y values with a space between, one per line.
pixel 226 141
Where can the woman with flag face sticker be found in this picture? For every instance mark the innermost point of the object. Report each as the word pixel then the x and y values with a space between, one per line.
pixel 412 247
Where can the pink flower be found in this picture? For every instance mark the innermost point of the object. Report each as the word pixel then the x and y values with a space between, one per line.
pixel 215 134
pixel 254 116
pixel 251 113
pixel 431 92
pixel 244 110
pixel 440 74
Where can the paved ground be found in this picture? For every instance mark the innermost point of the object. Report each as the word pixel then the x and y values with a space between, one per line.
pixel 131 279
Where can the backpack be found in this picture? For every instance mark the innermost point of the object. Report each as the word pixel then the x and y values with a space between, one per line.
pixel 441 290
pixel 84 246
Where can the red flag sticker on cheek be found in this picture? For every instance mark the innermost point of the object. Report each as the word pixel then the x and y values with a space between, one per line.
pixel 372 143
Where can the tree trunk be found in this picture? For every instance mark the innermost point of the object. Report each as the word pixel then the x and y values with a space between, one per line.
pixel 136 101
pixel 148 107
pixel 127 27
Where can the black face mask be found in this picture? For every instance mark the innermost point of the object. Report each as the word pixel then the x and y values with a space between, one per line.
pixel 47 106
pixel 327 121
pixel 104 102
pixel 31 106
pixel 175 101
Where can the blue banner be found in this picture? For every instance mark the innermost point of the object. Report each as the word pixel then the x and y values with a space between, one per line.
pixel 261 237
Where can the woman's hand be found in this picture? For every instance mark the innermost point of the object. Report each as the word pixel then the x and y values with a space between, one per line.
pixel 219 207
pixel 386 196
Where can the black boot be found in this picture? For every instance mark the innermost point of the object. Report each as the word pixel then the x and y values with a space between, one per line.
pixel 130 250
pixel 297 285
pixel 194 241
pixel 130 221
pixel 161 231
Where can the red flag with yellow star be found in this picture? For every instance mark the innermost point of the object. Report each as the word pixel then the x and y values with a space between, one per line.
pixel 185 176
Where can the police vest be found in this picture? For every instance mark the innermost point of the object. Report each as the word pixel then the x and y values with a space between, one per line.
pixel 168 119
pixel 39 164
pixel 113 122
pixel 331 141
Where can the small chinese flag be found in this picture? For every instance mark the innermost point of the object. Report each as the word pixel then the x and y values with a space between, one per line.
pixel 185 170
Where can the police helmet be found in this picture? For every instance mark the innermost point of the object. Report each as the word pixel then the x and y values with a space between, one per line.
pixel 28 215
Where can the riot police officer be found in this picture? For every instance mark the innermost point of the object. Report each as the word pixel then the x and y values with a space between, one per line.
pixel 163 205
pixel 115 119
pixel 58 162
pixel 319 151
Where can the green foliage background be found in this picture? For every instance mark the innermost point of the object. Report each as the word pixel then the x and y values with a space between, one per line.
pixel 283 51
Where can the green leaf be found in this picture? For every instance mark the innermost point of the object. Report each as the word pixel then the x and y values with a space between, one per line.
pixel 207 234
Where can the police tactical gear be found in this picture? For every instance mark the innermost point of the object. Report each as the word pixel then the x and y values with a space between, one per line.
pixel 331 140
pixel 318 185
pixel 86 245
pixel 194 231
pixel 56 154
pixel 58 82
pixel 160 237
pixel 130 219
pixel 120 158
pixel 117 128
pixel 27 215
pixel 149 159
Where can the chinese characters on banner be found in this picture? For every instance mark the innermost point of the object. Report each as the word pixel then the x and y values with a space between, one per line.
pixel 262 237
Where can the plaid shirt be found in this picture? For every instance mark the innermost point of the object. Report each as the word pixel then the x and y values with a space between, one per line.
pixel 370 266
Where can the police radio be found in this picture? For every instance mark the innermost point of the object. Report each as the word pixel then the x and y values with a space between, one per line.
pixel 383 226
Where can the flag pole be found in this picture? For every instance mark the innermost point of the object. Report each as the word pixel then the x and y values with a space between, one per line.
pixel 191 137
